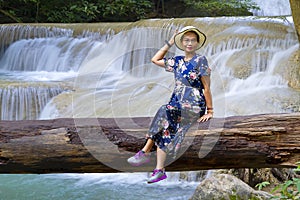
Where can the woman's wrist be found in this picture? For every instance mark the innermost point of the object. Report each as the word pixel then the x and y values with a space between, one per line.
pixel 210 110
pixel 167 46
pixel 168 43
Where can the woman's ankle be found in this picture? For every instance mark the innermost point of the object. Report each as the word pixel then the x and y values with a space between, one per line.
pixel 156 170
pixel 145 151
pixel 160 168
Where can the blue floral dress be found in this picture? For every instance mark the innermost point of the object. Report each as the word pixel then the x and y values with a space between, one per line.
pixel 186 105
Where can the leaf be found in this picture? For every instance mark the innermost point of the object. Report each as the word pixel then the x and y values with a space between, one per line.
pixel 262 184
pixel 298 185
pixel 276 188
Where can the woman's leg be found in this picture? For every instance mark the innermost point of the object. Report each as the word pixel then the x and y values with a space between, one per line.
pixel 161 158
pixel 143 155
pixel 148 146
pixel 159 173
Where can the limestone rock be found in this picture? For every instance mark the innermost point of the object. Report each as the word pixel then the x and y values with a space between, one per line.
pixel 226 187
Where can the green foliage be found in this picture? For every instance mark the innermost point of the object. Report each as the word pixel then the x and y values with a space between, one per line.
pixel 79 11
pixel 234 196
pixel 222 7
pixel 261 185
pixel 125 9
pixel 72 11
pixel 11 14
pixel 298 167
pixel 87 11
pixel 290 189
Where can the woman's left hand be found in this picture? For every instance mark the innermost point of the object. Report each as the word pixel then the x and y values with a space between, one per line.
pixel 205 117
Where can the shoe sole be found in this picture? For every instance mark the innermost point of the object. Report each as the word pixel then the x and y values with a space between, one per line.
pixel 139 164
pixel 159 179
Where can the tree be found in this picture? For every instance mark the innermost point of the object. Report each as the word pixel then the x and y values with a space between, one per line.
pixel 82 11
pixel 221 7
pixel 8 12
pixel 104 144
pixel 73 11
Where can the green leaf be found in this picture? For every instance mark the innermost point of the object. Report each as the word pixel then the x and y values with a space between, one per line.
pixel 262 185
pixel 298 185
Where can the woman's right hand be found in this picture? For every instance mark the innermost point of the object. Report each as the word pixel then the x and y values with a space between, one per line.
pixel 205 117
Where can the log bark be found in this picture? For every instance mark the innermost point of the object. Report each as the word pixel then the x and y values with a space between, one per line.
pixel 295 7
pixel 103 145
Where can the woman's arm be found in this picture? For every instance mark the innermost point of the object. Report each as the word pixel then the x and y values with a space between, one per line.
pixel 158 58
pixel 208 99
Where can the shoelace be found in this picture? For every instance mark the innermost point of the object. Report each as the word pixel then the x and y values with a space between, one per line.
pixel 139 154
pixel 156 171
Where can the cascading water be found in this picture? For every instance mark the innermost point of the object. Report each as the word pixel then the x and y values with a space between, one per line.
pixel 248 58
pixel 10 34
pixel 34 61
pixel 25 102
pixel 246 55
pixel 272 7
pixel 46 54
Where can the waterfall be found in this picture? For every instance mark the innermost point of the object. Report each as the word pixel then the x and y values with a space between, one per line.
pixel 19 102
pixel 112 76
pixel 272 7
pixel 246 57
pixel 10 34
pixel 46 54
pixel 35 55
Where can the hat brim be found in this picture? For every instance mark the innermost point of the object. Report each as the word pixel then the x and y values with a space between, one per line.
pixel 178 36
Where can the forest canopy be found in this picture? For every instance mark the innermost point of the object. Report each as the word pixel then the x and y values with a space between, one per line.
pixel 80 11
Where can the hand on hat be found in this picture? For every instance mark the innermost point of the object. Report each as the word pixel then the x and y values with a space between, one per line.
pixel 171 41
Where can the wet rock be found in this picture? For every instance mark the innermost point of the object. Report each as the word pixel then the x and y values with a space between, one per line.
pixel 226 187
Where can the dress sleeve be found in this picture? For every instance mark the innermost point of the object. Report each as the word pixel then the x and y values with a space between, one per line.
pixel 169 64
pixel 204 69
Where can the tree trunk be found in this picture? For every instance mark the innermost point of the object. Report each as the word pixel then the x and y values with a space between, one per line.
pixel 295 7
pixel 103 145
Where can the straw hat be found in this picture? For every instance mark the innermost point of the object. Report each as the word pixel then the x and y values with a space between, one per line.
pixel 178 36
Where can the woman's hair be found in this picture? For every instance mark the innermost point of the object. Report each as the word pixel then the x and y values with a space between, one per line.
pixel 197 36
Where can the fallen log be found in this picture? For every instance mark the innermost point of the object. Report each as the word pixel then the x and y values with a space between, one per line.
pixel 103 145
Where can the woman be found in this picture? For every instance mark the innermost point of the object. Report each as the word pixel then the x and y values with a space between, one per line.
pixel 191 99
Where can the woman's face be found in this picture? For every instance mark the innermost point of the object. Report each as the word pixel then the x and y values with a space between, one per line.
pixel 189 42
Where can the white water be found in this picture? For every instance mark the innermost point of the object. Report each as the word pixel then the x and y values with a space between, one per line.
pixel 46 54
pixel 93 187
pixel 245 54
pixel 33 71
pixel 19 102
pixel 273 7
pixel 10 34
pixel 245 64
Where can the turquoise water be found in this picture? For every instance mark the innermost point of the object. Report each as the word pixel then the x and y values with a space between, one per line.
pixel 93 187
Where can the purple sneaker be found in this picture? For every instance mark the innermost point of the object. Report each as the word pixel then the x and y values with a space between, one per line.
pixel 138 159
pixel 157 175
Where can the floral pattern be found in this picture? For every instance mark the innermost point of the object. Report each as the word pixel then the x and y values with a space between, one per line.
pixel 186 105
